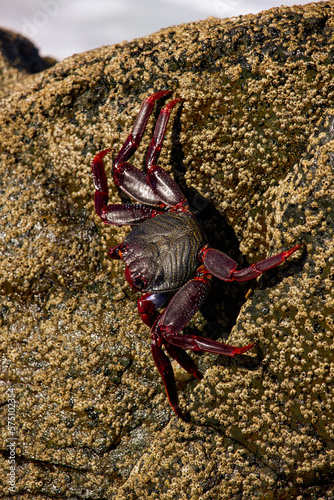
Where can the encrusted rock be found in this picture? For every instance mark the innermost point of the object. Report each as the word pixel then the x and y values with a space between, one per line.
pixel 253 148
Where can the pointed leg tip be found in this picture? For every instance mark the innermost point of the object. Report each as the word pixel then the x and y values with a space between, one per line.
pixel 198 375
pixel 183 416
pixel 99 156
pixel 292 250
pixel 171 104
pixel 157 95
pixel 241 350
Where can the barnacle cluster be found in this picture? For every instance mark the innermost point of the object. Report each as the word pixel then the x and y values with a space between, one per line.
pixel 255 137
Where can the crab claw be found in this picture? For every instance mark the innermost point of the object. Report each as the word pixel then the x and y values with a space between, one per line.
pixel 148 306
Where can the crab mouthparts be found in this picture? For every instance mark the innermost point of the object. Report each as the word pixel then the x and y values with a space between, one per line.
pixel 136 282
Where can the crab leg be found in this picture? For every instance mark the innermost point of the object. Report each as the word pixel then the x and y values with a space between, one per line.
pixel 120 214
pixel 224 268
pixel 134 183
pixel 148 306
pixel 127 214
pixel 196 343
pixel 154 188
pixel 100 181
pixel 163 186
pixel 159 133
pixel 169 324
pixel 184 304
pixel 129 178
pixel 126 175
pixel 166 371
pixel 197 290
pixel 133 140
pixel 183 359
pixel 180 310
pixel 157 186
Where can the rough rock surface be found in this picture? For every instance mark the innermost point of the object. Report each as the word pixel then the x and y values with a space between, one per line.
pixel 255 138
pixel 19 61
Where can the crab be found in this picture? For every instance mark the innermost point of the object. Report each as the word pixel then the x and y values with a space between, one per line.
pixel 166 254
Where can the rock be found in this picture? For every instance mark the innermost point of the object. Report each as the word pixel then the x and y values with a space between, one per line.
pixel 19 59
pixel 254 137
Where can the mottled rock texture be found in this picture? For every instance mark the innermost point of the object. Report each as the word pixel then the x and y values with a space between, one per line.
pixel 19 60
pixel 253 148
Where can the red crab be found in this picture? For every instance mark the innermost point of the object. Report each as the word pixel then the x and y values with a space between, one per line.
pixel 166 252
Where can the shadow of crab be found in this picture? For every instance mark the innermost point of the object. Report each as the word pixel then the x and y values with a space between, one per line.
pixel 225 300
pixel 222 306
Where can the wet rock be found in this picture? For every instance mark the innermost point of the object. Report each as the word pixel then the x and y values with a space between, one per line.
pixel 254 140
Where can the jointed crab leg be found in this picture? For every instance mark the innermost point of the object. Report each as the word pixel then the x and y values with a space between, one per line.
pixel 184 304
pixel 134 183
pixel 148 306
pixel 164 187
pixel 154 188
pixel 167 328
pixel 100 182
pixel 125 175
pixel 181 309
pixel 183 359
pixel 133 140
pixel 116 214
pixel 162 184
pixel 196 343
pixel 130 179
pixel 159 133
pixel 224 268
pixel 166 371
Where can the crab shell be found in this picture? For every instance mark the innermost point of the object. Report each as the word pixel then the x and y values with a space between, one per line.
pixel 161 254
